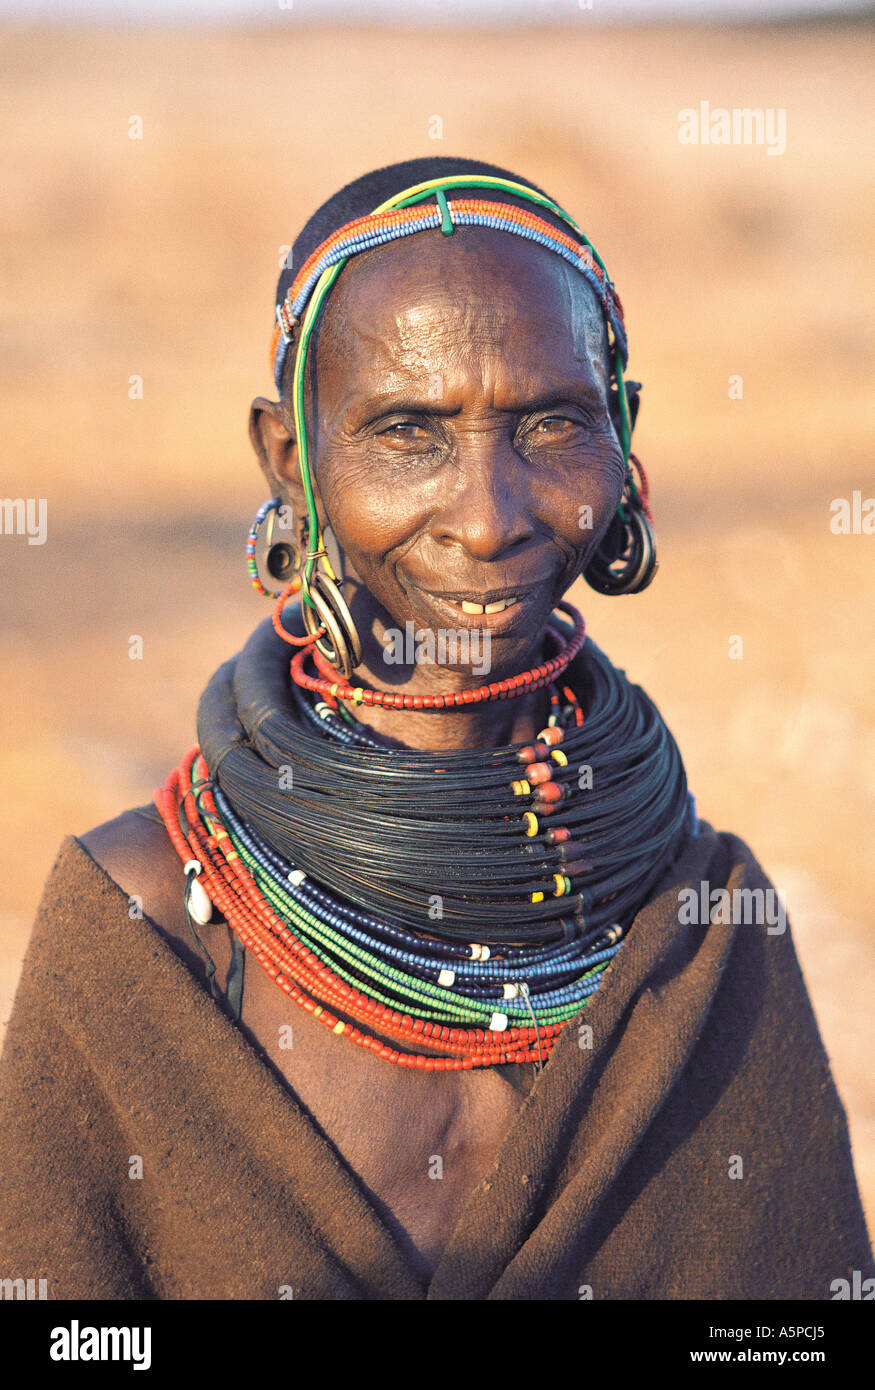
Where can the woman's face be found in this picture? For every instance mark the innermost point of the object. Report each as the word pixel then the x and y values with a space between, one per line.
pixel 464 451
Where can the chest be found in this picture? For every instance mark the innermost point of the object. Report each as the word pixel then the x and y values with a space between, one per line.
pixel 418 1142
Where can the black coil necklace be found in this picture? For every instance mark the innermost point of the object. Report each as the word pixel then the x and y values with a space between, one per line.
pixel 470 855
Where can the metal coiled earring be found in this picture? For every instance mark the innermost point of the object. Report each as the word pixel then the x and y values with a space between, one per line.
pixel 625 561
pixel 340 644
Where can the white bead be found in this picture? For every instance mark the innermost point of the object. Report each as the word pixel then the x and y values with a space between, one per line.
pixel 193 865
pixel 498 1024
pixel 297 877
pixel 199 905
pixel 484 952
pixel 447 977
pixel 511 991
pixel 476 948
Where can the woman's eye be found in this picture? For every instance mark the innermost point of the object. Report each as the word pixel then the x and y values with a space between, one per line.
pixel 549 429
pixel 553 423
pixel 405 430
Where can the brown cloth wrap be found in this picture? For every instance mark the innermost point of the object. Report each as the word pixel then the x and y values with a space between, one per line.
pixel 614 1175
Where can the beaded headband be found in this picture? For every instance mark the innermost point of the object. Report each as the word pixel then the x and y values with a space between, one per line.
pixel 378 228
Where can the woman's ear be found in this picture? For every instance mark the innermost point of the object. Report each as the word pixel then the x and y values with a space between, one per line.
pixel 276 448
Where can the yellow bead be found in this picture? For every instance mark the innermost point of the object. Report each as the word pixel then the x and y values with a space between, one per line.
pixel 521 788
pixel 537 897
pixel 530 821
pixel 560 880
pixel 318 1010
pixel 358 694
pixel 559 757
pixel 333 689
pixel 338 1027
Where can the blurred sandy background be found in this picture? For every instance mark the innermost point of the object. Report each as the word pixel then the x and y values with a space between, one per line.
pixel 158 257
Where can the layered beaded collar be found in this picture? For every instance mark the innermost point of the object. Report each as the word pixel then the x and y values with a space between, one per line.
pixel 447 910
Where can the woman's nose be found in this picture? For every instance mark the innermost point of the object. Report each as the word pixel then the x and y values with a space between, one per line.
pixel 487 511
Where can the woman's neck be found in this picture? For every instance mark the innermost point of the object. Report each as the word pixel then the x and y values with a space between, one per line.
pixel 492 724
pixel 489 724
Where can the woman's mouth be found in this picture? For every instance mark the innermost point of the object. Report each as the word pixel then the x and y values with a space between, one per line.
pixel 495 613
pixel 498 607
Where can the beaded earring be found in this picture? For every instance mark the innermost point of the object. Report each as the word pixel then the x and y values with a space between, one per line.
pixel 282 558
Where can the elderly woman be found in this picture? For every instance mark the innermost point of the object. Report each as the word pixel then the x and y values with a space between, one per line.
pixel 421 978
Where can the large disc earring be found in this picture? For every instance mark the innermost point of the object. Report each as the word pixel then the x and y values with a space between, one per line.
pixel 340 644
pixel 625 561
pixel 281 558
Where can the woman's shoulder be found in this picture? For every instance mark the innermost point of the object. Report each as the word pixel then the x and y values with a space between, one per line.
pixel 117 889
pixel 136 853
pixel 125 870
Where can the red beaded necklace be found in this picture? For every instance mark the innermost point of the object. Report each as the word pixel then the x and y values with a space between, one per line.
pixel 328 686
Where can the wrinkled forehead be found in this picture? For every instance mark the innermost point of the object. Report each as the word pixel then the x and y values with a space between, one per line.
pixel 478 289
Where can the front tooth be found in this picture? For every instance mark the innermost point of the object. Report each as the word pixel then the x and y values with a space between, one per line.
pixel 471 607
pixel 498 607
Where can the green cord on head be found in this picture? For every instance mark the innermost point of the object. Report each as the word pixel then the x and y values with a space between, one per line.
pixel 623 404
pixel 446 221
pixel 300 422
pixel 529 195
